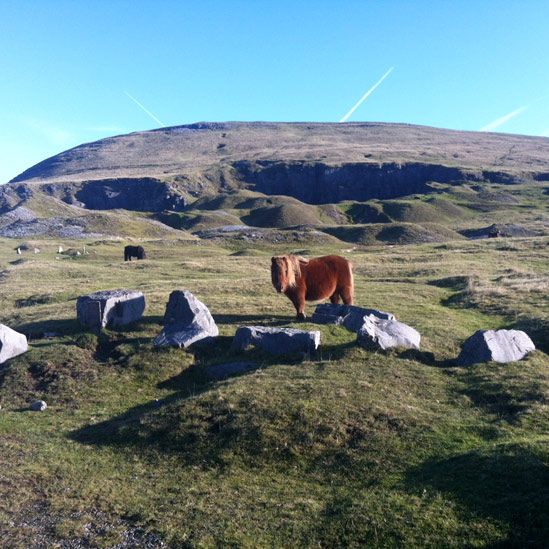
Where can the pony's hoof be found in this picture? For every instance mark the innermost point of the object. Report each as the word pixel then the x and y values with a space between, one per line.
pixel 301 317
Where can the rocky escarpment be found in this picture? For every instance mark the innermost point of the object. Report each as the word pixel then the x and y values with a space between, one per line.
pixel 319 183
pixel 144 194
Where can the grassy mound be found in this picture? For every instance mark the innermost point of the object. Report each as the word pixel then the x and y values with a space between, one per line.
pixel 225 201
pixel 367 213
pixel 283 216
pixel 393 233
pixel 198 221
pixel 418 211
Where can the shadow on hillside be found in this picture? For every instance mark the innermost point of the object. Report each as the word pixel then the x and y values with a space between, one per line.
pixel 259 319
pixel 37 330
pixel 504 399
pixel 427 358
pixel 204 431
pixel 508 484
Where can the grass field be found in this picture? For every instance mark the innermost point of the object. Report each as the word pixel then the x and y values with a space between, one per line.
pixel 346 448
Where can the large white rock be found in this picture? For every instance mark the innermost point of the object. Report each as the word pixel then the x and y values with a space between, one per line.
pixel 109 308
pixel 12 343
pixel 350 316
pixel 377 333
pixel 186 321
pixel 276 341
pixel 495 345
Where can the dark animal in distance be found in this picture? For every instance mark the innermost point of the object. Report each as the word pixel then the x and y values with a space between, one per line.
pixel 301 279
pixel 134 251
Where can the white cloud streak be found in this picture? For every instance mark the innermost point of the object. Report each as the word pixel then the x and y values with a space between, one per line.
pixel 366 95
pixel 503 119
pixel 145 109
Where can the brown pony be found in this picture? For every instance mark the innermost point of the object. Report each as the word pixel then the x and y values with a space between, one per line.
pixel 303 279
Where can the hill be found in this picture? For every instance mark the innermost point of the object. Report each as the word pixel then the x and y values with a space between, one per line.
pixel 284 175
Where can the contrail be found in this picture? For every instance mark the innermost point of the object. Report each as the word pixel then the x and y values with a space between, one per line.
pixel 500 121
pixel 365 96
pixel 146 110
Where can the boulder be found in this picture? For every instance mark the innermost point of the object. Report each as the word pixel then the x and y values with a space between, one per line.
pixel 38 406
pixel 495 345
pixel 377 333
pixel 276 341
pixel 12 343
pixel 109 308
pixel 186 321
pixel 349 316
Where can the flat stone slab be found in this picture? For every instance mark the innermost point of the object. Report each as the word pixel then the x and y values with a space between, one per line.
pixel 110 308
pixel 495 345
pixel 349 316
pixel 12 343
pixel 222 371
pixel 276 341
pixel 379 334
pixel 186 321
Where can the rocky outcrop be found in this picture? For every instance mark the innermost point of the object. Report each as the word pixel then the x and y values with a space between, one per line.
pixel 186 321
pixel 144 194
pixel 379 334
pixel 12 343
pixel 495 345
pixel 349 316
pixel 12 196
pixel 319 183
pixel 276 341
pixel 109 308
pixel 38 406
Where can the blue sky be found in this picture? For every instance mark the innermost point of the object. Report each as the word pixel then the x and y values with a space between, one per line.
pixel 66 66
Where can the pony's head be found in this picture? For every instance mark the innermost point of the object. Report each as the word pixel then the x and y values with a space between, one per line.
pixel 285 269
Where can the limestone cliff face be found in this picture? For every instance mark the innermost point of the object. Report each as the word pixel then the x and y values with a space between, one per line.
pixel 318 183
pixel 146 194
pixel 141 194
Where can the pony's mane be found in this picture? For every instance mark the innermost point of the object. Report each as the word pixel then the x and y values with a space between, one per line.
pixel 294 263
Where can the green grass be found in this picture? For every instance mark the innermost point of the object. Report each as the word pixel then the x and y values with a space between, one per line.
pixel 345 448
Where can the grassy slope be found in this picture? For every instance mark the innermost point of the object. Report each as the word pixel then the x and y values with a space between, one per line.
pixel 191 150
pixel 346 448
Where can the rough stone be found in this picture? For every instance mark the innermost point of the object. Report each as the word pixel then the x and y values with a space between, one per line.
pixel 186 321
pixel 12 343
pixel 349 316
pixel 110 308
pixel 276 341
pixel 221 371
pixel 38 406
pixel 495 345
pixel 377 333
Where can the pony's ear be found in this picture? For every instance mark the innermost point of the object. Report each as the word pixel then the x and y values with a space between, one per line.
pixel 273 259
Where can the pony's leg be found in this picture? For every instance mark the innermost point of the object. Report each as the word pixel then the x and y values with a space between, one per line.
pixel 334 298
pixel 299 303
pixel 347 295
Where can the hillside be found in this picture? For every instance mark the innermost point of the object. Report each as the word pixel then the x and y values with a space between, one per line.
pixel 140 447
pixel 285 175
